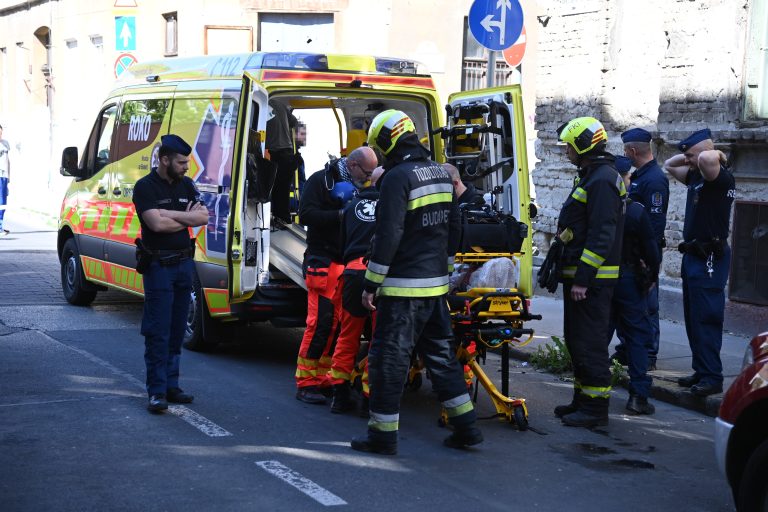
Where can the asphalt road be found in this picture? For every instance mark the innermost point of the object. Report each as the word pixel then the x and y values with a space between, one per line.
pixel 75 435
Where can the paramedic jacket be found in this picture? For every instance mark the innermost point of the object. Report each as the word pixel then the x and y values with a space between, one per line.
pixel 321 213
pixel 359 224
pixel 417 227
pixel 594 214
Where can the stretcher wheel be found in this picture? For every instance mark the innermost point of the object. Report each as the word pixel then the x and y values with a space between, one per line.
pixel 521 421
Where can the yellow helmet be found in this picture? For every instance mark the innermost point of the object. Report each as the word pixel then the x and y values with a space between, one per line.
pixel 582 133
pixel 387 128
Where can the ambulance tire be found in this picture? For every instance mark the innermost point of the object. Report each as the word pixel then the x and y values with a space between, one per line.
pixel 201 335
pixel 73 284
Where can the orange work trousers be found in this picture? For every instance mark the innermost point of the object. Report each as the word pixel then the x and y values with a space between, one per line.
pixel 353 318
pixel 323 307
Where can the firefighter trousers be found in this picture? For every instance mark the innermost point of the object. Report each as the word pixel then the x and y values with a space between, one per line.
pixel 353 319
pixel 585 326
pixel 400 323
pixel 323 305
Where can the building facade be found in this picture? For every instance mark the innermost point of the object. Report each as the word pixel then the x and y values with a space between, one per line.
pixel 671 67
pixel 59 58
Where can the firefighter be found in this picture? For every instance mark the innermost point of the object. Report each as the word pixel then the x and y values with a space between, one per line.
pixel 320 210
pixel 358 226
pixel 590 224
pixel 631 315
pixel 417 227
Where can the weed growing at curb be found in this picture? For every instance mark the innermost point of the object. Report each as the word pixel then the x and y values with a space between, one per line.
pixel 553 357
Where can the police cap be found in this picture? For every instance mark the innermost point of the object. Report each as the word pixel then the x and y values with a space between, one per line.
pixel 176 144
pixel 636 135
pixel 623 164
pixel 694 139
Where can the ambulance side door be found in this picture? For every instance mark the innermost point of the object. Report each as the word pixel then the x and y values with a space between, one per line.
pixel 248 223
pixel 503 145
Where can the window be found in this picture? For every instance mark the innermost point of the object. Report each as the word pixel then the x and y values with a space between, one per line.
pixel 171 34
pixel 756 86
pixel 749 267
pixel 97 152
pixel 140 123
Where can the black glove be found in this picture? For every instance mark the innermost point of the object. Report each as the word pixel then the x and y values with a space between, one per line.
pixel 549 273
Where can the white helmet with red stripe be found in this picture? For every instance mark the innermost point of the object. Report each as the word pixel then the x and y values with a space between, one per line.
pixel 387 127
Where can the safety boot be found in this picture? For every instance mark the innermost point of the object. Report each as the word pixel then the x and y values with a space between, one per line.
pixel 342 401
pixel 366 444
pixel 562 410
pixel 639 405
pixel 688 381
pixel 461 438
pixel 581 418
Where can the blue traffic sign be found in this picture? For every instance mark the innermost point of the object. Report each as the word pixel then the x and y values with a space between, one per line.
pixel 125 33
pixel 496 24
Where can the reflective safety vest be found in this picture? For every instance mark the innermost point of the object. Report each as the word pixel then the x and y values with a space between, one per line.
pixel 593 215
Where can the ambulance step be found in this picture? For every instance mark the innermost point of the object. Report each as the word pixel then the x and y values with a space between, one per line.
pixel 286 252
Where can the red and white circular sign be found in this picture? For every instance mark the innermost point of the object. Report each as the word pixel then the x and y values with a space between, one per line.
pixel 513 55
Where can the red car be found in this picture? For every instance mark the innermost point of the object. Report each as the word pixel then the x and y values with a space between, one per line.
pixel 741 430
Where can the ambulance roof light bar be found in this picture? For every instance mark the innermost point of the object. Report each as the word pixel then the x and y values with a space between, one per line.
pixel 338 63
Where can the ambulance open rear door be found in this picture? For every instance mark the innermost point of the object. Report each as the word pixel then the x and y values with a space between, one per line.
pixel 485 139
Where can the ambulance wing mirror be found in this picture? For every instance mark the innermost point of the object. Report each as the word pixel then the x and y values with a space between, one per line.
pixel 69 161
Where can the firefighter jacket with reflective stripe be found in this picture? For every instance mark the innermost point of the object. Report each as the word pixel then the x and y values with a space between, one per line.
pixel 417 229
pixel 594 214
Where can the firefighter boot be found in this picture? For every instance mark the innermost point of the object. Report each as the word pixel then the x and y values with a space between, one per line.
pixel 592 412
pixel 562 410
pixel 342 401
pixel 376 442
pixel 463 437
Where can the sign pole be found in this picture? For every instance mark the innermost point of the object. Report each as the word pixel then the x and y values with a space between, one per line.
pixel 491 71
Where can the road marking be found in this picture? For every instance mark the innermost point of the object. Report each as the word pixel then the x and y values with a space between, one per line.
pixel 201 423
pixel 305 485
pixel 198 421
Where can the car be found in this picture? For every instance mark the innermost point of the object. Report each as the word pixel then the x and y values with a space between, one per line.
pixel 741 430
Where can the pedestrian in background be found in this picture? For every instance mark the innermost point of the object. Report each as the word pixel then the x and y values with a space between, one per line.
pixel 5 178
pixel 590 225
pixel 168 204
pixel 706 254
pixel 649 187
pixel 417 236
pixel 630 315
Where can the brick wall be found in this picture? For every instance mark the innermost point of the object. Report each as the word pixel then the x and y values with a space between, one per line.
pixel 669 66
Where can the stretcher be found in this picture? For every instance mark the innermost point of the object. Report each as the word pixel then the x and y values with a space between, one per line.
pixel 491 319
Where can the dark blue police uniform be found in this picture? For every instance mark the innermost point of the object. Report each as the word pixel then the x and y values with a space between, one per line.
pixel 168 280
pixel 706 261
pixel 649 186
pixel 630 316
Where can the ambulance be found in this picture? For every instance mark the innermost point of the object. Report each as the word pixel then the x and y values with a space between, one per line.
pixel 249 264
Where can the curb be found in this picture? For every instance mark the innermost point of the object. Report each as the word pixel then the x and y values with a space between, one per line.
pixel 663 389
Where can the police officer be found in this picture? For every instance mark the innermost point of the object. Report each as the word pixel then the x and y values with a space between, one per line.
pixel 630 316
pixel 590 225
pixel 321 209
pixel 706 254
pixel 417 228
pixel 649 187
pixel 358 227
pixel 168 204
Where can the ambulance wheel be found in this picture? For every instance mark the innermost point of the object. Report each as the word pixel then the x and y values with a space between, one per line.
pixel 199 337
pixel 520 420
pixel 72 277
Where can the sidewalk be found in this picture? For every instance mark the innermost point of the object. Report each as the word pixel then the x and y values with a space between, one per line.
pixel 29 232
pixel 674 355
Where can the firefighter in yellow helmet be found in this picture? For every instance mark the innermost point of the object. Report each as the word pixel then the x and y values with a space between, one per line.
pixel 590 225
pixel 417 234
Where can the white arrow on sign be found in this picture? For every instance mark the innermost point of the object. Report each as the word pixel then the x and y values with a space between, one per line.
pixel 488 22
pixel 126 36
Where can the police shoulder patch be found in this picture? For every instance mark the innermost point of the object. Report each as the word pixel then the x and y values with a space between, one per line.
pixel 657 199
